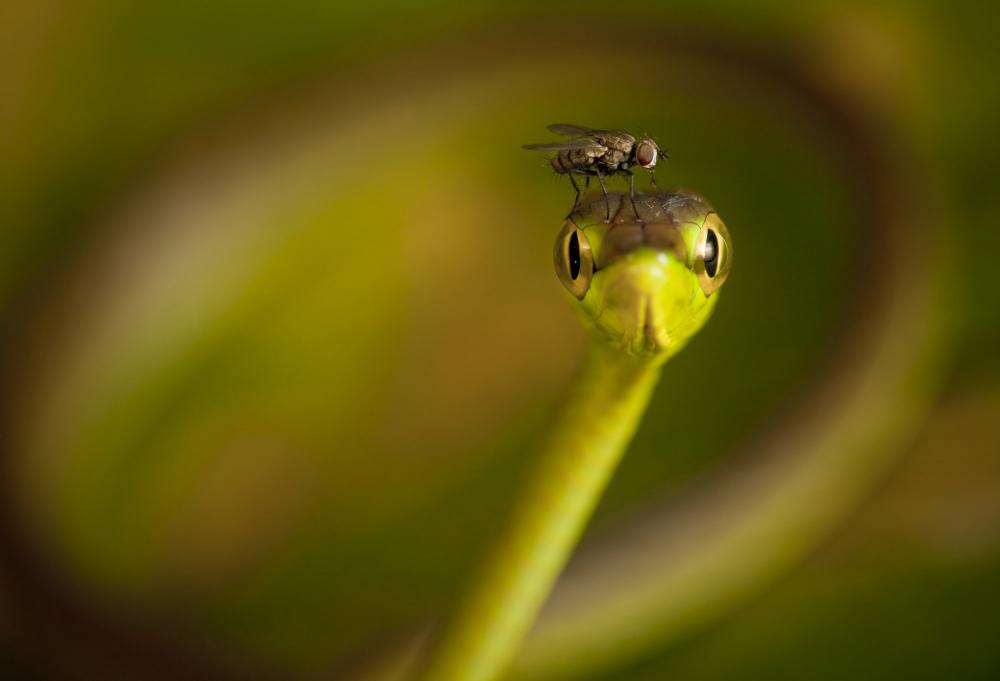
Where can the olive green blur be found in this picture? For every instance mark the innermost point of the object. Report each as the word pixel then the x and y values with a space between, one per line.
pixel 282 334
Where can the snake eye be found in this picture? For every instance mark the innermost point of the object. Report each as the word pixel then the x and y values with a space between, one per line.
pixel 574 260
pixel 713 254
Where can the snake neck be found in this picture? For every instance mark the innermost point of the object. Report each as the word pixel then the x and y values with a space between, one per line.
pixel 608 398
pixel 599 416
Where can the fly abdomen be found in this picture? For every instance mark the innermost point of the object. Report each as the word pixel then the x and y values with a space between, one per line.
pixel 569 159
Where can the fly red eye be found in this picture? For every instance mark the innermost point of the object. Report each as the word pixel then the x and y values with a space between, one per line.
pixel 645 154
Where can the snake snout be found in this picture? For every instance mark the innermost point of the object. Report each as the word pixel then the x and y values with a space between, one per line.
pixel 639 299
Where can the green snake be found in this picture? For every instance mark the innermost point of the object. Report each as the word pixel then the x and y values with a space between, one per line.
pixel 644 283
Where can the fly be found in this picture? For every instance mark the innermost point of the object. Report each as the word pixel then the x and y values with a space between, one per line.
pixel 591 152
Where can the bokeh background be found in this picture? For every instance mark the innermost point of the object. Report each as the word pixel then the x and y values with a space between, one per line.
pixel 280 330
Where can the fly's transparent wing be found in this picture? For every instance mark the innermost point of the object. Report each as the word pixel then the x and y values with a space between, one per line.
pixel 570 130
pixel 587 145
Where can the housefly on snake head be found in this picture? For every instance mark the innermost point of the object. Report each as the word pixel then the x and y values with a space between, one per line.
pixel 594 152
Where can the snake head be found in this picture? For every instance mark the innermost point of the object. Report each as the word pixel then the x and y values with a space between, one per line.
pixel 646 281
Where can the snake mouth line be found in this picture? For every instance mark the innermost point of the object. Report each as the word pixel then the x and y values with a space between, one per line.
pixel 649 329
pixel 629 309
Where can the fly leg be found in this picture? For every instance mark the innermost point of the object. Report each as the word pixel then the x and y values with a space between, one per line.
pixel 607 202
pixel 652 178
pixel 576 188
pixel 631 192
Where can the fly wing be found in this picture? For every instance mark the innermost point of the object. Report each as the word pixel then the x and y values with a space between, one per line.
pixel 588 145
pixel 570 130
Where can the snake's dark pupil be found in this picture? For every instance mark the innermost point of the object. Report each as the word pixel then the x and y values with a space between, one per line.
pixel 711 253
pixel 574 256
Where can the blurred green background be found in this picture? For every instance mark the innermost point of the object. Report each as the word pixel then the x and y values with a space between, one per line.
pixel 280 326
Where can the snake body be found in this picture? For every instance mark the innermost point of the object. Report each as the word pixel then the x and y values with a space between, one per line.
pixel 643 283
